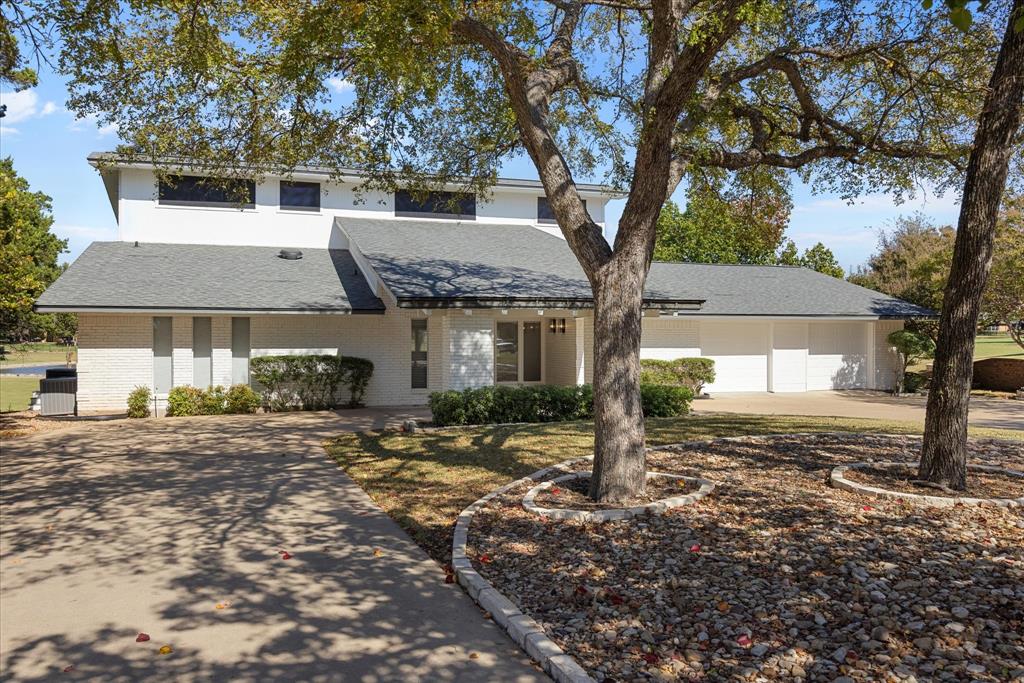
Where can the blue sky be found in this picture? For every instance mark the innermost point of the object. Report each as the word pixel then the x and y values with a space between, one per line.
pixel 49 147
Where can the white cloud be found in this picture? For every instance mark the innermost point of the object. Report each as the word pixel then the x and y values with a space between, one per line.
pixel 21 105
pixel 90 122
pixel 108 129
pixel 7 130
pixel 48 109
pixel 340 85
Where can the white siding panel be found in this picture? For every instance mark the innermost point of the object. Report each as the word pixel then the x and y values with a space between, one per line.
pixel 789 357
pixel 740 352
pixel 668 339
pixel 837 357
pixel 560 352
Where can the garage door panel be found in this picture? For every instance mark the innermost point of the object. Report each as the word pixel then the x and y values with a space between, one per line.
pixel 789 357
pixel 837 356
pixel 740 354
pixel 668 339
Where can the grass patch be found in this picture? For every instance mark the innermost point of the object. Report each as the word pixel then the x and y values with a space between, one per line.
pixel 996 346
pixel 38 352
pixel 16 392
pixel 424 480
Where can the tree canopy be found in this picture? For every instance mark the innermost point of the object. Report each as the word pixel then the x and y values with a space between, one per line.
pixel 1003 301
pixel 28 250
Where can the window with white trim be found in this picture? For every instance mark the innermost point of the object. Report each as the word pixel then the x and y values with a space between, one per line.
pixel 517 352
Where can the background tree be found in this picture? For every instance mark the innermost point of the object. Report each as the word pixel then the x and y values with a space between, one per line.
pixel 855 96
pixel 944 451
pixel 28 250
pixel 1003 301
pixel 820 258
pixel 911 263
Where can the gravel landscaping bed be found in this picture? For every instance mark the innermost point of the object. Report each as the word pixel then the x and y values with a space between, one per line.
pixel 573 494
pixel 775 576
pixel 979 484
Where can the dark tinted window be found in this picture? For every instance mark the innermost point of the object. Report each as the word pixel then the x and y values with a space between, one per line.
pixel 419 354
pixel 544 212
pixel 435 205
pixel 300 195
pixel 194 190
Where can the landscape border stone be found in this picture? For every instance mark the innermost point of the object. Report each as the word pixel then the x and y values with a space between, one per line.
pixel 654 508
pixel 838 479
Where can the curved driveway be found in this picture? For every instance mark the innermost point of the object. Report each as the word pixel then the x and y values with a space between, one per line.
pixel 176 528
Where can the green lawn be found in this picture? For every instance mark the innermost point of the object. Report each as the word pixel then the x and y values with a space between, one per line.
pixel 15 392
pixel 994 345
pixel 424 480
pixel 37 352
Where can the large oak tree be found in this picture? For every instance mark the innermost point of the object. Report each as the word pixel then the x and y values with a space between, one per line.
pixel 853 95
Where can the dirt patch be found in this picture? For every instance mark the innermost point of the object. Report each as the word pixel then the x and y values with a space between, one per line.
pixel 904 480
pixel 574 494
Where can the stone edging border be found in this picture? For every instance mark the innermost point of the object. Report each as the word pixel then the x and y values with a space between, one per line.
pixel 655 508
pixel 521 628
pixel 838 480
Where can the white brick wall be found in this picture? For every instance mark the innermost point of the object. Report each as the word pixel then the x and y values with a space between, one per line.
pixel 886 359
pixel 115 354
pixel 560 353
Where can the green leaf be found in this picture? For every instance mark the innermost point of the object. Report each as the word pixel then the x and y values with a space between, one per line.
pixel 961 18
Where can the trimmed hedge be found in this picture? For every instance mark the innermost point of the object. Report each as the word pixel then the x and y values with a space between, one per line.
pixel 309 382
pixel 693 373
pixel 187 400
pixel 545 403
pixel 138 402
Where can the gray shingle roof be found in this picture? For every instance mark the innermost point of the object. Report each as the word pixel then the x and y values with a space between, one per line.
pixel 119 275
pixel 445 260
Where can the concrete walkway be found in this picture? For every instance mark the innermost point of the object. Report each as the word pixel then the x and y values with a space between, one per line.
pixel 985 412
pixel 111 529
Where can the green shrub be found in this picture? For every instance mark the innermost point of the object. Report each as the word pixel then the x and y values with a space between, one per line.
pixel 241 399
pixel 213 401
pixel 504 404
pixel 138 402
pixel 665 400
pixel 355 376
pixel 184 401
pixel 914 382
pixel 693 373
pixel 309 382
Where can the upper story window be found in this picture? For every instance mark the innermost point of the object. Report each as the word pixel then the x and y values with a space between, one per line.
pixel 300 196
pixel 435 205
pixel 544 212
pixel 192 190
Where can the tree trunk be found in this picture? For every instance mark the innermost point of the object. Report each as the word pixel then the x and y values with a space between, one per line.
pixel 620 461
pixel 944 453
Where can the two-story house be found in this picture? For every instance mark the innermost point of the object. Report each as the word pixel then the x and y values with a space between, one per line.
pixel 439 292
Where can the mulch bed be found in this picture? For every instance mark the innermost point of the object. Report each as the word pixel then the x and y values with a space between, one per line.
pixel 979 484
pixel 775 576
pixel 573 494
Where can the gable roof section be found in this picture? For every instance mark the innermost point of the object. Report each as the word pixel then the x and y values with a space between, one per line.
pixel 456 263
pixel 119 276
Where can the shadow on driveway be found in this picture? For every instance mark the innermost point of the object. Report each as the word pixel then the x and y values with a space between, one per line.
pixel 114 529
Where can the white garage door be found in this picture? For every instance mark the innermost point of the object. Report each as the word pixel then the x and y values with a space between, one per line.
pixel 789 357
pixel 837 356
pixel 669 338
pixel 740 352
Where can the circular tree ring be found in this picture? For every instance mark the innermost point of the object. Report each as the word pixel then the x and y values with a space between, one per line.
pixel 654 508
pixel 838 479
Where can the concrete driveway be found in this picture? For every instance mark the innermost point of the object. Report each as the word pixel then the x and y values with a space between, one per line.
pixel 985 412
pixel 176 528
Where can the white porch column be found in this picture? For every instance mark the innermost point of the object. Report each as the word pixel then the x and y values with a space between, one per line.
pixel 870 382
pixel 581 354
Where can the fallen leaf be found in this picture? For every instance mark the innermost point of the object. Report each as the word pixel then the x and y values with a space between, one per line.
pixel 486 559
pixel 867 508
pixel 555 491
pixel 141 638
pixel 165 650
pixel 449 578
pixel 473 655
pixel 744 641
pixel 285 555
pixel 650 658
pixel 723 606
pixel 695 548
pixel 377 552
pixel 222 605
pixel 69 668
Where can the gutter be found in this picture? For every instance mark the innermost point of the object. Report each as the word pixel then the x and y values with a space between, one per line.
pixel 207 310
pixel 536 302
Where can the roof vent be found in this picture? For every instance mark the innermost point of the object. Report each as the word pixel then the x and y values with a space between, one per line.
pixel 290 254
